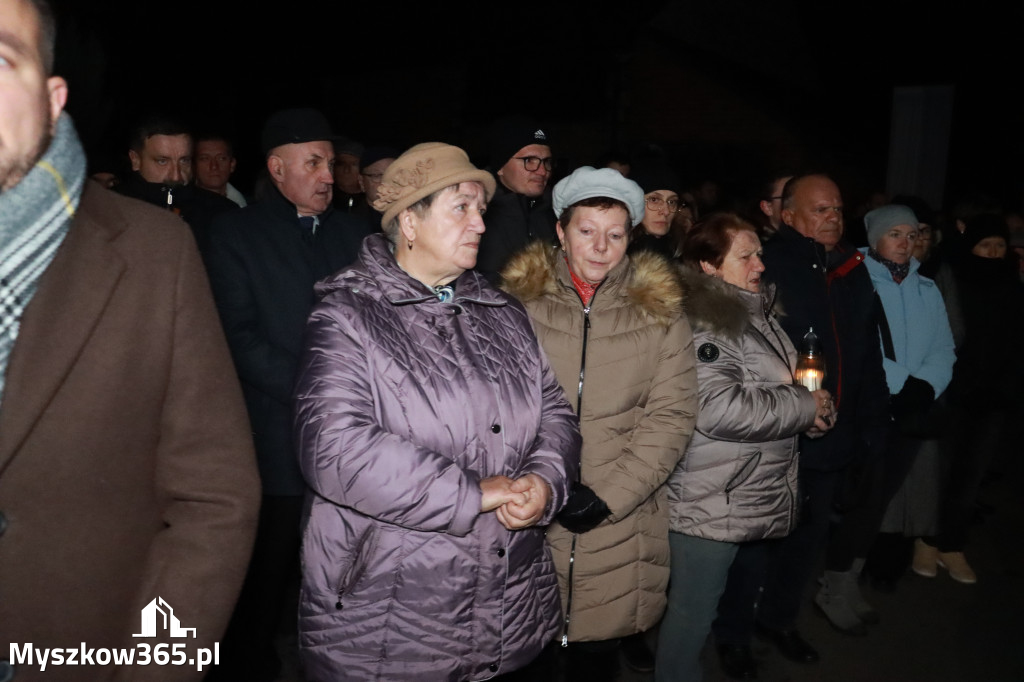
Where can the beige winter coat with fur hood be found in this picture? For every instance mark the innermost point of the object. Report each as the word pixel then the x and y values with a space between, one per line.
pixel 637 411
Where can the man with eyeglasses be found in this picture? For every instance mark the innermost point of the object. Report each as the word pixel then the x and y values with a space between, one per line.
pixel 520 212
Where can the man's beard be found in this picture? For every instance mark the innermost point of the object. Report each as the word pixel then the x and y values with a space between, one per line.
pixel 12 171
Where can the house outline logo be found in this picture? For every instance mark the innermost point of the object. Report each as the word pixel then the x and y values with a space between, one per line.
pixel 158 615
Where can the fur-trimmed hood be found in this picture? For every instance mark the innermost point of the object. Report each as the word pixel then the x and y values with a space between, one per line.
pixel 721 308
pixel 650 282
pixel 627 363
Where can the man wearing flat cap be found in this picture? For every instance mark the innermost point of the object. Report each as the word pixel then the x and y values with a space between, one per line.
pixel 520 212
pixel 263 261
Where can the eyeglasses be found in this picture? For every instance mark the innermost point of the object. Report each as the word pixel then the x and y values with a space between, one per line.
pixel 532 163
pixel 655 203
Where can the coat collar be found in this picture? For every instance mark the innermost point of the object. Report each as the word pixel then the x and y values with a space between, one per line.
pixel 879 271
pixel 68 305
pixel 377 262
pixel 722 308
pixel 645 281
pixel 278 205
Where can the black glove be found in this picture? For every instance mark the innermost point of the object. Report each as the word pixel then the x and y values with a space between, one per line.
pixel 915 396
pixel 584 510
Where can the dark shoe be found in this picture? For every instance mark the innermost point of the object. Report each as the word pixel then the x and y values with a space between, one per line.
pixel 790 644
pixel 637 654
pixel 737 661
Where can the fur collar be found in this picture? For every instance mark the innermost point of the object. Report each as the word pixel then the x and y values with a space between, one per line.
pixel 725 310
pixel 650 282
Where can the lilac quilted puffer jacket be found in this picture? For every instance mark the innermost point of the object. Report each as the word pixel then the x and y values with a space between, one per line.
pixel 403 405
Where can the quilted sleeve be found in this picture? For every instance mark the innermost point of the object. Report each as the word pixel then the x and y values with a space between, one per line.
pixel 735 410
pixel 556 452
pixel 345 454
pixel 661 435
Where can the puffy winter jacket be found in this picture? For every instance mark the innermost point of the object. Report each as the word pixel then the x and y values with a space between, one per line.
pixel 403 405
pixel 632 347
pixel 921 337
pixel 738 479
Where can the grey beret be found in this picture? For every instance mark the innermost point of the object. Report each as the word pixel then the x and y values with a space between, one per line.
pixel 587 182
pixel 881 220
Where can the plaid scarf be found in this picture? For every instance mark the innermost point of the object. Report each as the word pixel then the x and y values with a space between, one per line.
pixel 35 215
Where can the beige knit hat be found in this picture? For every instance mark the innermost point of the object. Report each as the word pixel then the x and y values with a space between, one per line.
pixel 421 171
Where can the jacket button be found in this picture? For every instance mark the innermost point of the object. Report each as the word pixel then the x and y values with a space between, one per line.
pixel 3 527
pixel 493 667
pixel 496 428
pixel 6 671
pixel 501 552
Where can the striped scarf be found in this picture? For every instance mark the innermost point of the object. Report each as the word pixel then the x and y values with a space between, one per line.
pixel 35 216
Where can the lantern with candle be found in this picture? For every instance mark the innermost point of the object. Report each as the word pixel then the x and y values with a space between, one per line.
pixel 810 366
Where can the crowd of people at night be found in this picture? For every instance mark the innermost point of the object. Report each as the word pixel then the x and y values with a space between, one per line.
pixel 506 421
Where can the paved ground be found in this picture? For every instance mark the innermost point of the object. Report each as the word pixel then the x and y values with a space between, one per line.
pixel 931 630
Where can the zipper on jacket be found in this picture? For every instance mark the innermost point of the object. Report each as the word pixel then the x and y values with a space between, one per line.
pixel 741 476
pixel 583 360
pixel 794 495
pixel 579 408
pixel 355 569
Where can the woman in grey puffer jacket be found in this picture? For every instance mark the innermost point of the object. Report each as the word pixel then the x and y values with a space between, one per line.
pixel 738 479
pixel 437 443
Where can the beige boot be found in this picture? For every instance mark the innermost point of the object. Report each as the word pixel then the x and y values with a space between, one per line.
pixel 926 559
pixel 959 569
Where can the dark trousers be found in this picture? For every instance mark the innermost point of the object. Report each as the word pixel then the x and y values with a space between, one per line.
pixel 793 559
pixel 877 481
pixel 971 448
pixel 247 652
pixel 888 554
pixel 783 567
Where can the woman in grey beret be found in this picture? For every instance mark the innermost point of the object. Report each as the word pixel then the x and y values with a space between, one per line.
pixel 614 330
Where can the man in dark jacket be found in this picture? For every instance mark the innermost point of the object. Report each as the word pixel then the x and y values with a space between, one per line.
pixel 263 261
pixel 520 211
pixel 161 158
pixel 822 284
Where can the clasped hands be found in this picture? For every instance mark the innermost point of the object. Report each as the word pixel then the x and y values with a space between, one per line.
pixel 824 414
pixel 518 503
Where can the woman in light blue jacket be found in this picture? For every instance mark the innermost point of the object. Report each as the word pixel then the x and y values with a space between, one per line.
pixel 919 329
pixel 917 347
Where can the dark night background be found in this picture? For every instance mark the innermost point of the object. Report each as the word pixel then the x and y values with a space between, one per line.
pixel 731 89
